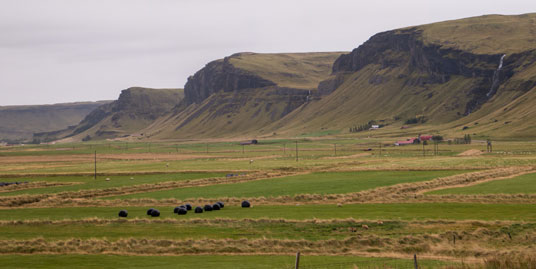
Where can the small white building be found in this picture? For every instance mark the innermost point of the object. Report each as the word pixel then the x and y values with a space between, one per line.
pixel 374 127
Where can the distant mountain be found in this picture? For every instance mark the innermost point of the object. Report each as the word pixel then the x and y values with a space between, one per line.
pixel 474 75
pixel 18 123
pixel 135 109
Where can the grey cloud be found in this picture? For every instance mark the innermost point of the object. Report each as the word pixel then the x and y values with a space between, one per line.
pixel 73 50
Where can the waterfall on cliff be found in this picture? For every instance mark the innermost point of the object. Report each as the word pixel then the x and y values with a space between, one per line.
pixel 495 80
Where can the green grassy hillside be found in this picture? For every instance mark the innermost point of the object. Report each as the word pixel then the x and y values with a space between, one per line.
pixel 292 70
pixel 485 34
pixel 243 93
pixel 444 72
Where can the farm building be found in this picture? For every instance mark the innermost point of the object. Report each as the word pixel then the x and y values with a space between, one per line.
pixel 374 127
pixel 409 141
pixel 415 140
pixel 251 142
pixel 425 137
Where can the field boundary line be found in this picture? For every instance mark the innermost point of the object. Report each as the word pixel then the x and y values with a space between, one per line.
pixel 477 182
pixel 437 244
pixel 36 185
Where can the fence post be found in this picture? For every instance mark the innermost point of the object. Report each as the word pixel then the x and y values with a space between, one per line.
pixel 423 152
pixel 335 146
pixel 415 264
pixel 296 151
pixel 380 149
pixel 297 266
pixel 95 175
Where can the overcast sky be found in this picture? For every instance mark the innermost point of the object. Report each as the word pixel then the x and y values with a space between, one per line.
pixel 54 51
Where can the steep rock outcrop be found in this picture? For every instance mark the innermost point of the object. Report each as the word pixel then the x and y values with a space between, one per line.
pixel 243 93
pixel 405 48
pixel 135 109
pixel 218 76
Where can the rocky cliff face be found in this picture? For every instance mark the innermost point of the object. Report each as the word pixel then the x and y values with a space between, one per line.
pixel 245 92
pixel 405 48
pixel 219 76
pixel 478 72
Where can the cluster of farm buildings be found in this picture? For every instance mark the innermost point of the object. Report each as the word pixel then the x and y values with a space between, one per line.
pixel 415 140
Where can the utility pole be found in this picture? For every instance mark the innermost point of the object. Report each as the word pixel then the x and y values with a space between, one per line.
pixel 242 149
pixel 177 148
pixel 415 264
pixel 297 266
pixel 380 149
pixel 95 175
pixel 335 146
pixel 285 149
pixel 423 152
pixel 296 151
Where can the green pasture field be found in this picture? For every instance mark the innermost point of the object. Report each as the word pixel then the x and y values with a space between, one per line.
pixel 348 145
pixel 404 211
pixel 84 229
pixel 403 218
pixel 240 229
pixel 276 154
pixel 206 261
pixel 314 183
pixel 88 182
pixel 525 184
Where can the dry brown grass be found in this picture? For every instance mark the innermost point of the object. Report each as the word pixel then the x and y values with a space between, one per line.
pixel 513 261
pixel 475 240
pixel 36 184
pixel 63 198
pixel 347 157
pixel 471 152
pixel 431 245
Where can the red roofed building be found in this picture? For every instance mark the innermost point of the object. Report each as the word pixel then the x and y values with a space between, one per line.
pixel 425 137
pixel 407 142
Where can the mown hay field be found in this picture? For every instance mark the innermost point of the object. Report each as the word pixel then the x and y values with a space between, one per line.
pixel 525 184
pixel 314 183
pixel 341 202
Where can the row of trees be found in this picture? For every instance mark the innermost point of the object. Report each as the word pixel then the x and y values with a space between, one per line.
pixel 465 140
pixel 364 127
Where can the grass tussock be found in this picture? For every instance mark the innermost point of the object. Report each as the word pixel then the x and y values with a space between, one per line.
pixel 513 261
